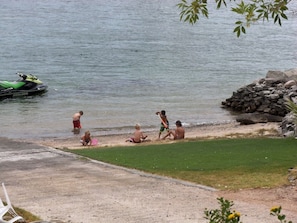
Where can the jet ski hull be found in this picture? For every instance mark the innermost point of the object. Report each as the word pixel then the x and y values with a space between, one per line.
pixel 27 86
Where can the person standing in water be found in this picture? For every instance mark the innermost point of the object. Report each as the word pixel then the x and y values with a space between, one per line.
pixel 76 121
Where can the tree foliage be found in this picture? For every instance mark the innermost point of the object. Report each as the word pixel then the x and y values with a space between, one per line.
pixel 250 11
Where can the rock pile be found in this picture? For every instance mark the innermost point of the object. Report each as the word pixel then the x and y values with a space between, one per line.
pixel 288 125
pixel 265 99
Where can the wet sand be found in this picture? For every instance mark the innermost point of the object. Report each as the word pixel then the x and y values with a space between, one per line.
pixel 229 130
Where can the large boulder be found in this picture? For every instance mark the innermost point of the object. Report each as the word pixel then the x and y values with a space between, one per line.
pixel 283 76
pixel 276 75
pixel 291 74
pixel 290 84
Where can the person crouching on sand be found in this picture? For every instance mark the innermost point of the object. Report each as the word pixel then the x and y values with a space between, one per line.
pixel 138 136
pixel 178 133
pixel 86 139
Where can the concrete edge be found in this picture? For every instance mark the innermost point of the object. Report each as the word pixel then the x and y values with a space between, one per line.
pixel 134 171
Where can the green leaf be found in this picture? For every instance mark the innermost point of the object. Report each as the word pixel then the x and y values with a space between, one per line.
pixel 276 18
pixel 187 18
pixel 242 29
pixel 219 4
pixel 236 29
pixel 284 15
pixel 281 217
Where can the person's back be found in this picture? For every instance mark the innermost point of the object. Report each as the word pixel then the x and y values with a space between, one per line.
pixel 137 136
pixel 76 122
pixel 179 132
pixel 77 115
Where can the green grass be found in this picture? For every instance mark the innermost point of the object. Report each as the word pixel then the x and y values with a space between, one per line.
pixel 223 164
pixel 26 215
pixel 29 217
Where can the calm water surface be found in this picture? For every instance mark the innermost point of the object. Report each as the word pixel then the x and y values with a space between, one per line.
pixel 121 61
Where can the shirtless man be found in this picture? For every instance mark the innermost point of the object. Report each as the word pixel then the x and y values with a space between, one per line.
pixel 138 136
pixel 178 133
pixel 76 120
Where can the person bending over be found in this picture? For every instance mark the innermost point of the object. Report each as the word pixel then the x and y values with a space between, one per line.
pixel 76 120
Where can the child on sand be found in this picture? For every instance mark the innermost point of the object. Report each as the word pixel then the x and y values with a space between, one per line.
pixel 138 136
pixel 178 133
pixel 86 139
pixel 164 122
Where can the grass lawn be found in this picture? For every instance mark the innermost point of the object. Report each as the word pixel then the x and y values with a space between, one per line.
pixel 222 164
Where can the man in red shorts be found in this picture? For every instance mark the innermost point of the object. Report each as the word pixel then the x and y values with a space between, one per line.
pixel 76 120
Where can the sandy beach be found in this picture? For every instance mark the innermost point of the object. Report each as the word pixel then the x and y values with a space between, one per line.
pixel 226 130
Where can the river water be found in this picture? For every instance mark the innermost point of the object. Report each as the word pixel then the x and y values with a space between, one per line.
pixel 121 61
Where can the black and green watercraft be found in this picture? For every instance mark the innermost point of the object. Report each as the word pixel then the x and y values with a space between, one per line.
pixel 27 85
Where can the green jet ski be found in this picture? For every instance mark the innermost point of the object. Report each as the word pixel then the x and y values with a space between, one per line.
pixel 27 85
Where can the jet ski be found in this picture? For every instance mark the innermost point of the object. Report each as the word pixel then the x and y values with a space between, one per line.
pixel 27 85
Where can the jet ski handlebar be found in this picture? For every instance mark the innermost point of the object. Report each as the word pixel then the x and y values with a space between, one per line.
pixel 25 76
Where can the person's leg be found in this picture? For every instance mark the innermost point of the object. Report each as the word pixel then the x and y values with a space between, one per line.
pixel 167 135
pixel 130 140
pixel 159 135
pixel 162 128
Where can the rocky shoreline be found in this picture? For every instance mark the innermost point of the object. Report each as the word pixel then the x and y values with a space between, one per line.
pixel 265 100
